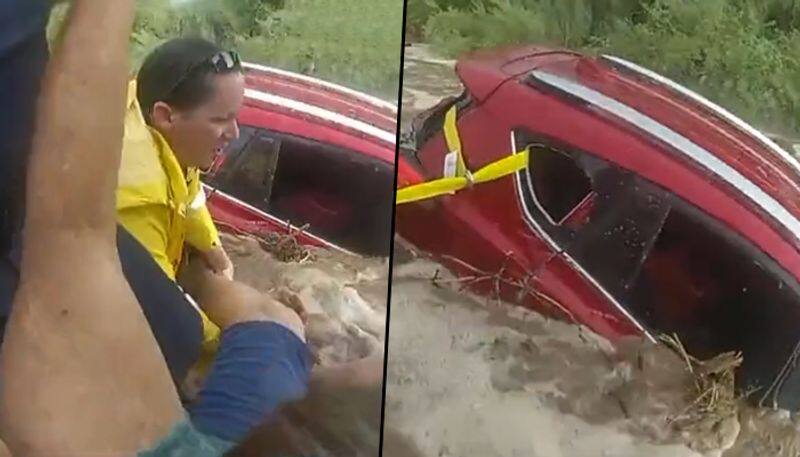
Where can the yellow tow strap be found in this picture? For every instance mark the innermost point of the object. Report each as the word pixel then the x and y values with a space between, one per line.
pixel 463 178
pixel 454 141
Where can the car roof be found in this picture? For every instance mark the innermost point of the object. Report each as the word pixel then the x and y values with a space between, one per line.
pixel 325 106
pixel 672 115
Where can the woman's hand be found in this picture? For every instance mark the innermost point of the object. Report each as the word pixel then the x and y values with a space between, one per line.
pixel 218 261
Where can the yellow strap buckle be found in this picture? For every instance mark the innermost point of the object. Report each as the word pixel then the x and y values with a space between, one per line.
pixel 463 179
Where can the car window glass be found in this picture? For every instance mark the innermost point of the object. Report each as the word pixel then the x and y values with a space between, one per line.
pixel 342 195
pixel 429 123
pixel 249 176
pixel 233 149
pixel 559 184
pixel 620 214
pixel 679 271
pixel 626 219
pixel 246 132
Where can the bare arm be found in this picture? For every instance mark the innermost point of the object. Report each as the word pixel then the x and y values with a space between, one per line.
pixel 229 302
pixel 82 372
pixel 80 121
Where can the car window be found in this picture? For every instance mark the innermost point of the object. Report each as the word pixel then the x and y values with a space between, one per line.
pixel 718 292
pixel 618 214
pixel 233 149
pixel 246 133
pixel 676 269
pixel 555 186
pixel 250 174
pixel 559 184
pixel 341 195
pixel 429 123
pixel 625 221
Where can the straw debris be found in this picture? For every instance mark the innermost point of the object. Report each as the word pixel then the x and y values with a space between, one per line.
pixel 285 247
pixel 713 401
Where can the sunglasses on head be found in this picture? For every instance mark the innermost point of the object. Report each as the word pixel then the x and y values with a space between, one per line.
pixel 220 62
pixel 225 60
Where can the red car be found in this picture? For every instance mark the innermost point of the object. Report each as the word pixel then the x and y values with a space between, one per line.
pixel 644 208
pixel 310 153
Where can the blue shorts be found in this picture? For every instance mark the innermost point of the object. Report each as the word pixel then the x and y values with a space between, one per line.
pixel 259 366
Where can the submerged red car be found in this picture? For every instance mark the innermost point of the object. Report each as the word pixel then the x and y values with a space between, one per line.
pixel 644 208
pixel 310 154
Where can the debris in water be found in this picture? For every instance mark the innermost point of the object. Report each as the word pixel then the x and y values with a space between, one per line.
pixel 283 246
pixel 714 404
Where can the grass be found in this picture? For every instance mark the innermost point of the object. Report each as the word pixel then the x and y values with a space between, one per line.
pixel 353 42
pixel 356 43
pixel 743 54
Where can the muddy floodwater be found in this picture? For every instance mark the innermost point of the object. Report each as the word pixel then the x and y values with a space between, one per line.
pixel 345 295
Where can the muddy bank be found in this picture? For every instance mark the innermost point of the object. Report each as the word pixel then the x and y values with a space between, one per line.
pixel 426 80
pixel 470 378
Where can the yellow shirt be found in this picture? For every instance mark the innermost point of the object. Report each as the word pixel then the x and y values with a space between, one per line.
pixel 160 205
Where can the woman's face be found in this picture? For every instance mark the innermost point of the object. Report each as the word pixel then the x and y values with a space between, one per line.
pixel 198 135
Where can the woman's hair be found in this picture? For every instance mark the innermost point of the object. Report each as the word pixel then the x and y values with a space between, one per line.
pixel 329 422
pixel 174 73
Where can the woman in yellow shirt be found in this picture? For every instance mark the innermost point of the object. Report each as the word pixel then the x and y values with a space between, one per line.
pixel 181 113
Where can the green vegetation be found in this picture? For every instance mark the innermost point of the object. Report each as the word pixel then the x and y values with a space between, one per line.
pixel 743 54
pixel 352 42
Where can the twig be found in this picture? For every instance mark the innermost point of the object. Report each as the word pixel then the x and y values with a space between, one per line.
pixel 777 383
pixel 524 285
pixel 674 343
pixel 684 414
